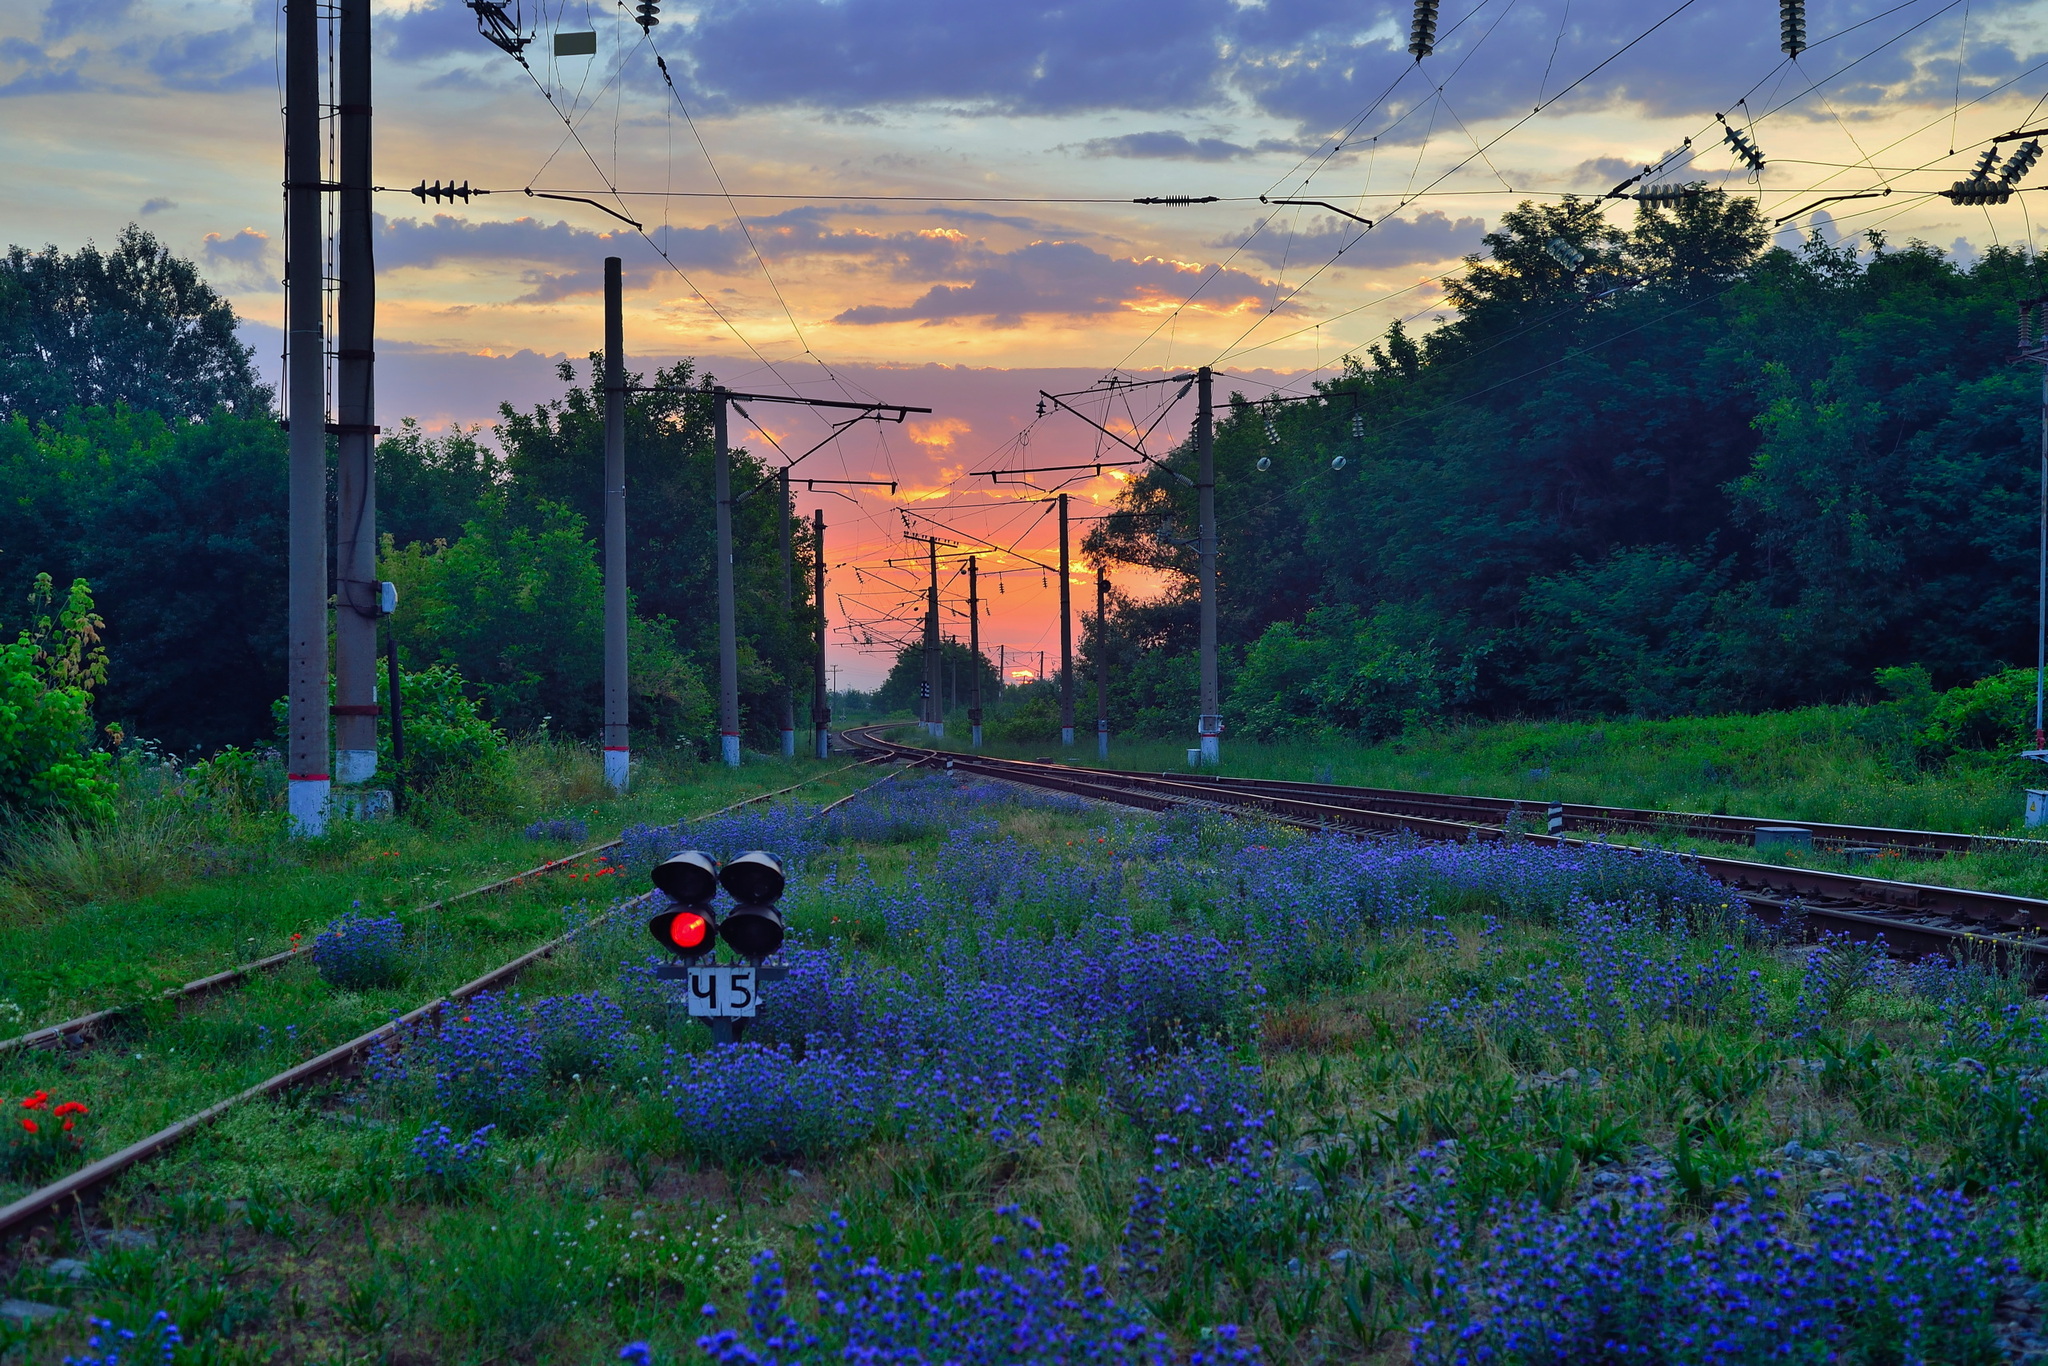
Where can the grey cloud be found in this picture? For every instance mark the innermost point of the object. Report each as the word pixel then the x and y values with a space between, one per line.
pixel 1165 146
pixel 219 59
pixel 1320 63
pixel 44 73
pixel 62 18
pixel 1062 279
pixel 246 247
pixel 1427 237
pixel 158 205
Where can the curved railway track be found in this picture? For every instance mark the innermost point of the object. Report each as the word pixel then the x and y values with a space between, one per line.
pixel 68 1193
pixel 1914 918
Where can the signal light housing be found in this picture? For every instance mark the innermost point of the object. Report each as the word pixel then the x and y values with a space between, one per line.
pixel 754 932
pixel 691 877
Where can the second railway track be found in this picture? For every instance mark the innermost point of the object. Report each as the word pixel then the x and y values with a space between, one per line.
pixel 1913 917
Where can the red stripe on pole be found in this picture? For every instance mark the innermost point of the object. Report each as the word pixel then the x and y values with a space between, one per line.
pixel 308 777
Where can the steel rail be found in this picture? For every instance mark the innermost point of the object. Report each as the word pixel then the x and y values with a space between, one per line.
pixel 76 1031
pixel 1916 917
pixel 38 1206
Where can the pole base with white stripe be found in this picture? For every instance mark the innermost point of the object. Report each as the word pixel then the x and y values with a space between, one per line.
pixel 977 737
pixel 1066 735
pixel 618 766
pixel 352 766
pixel 789 744
pixel 306 800
pixel 729 747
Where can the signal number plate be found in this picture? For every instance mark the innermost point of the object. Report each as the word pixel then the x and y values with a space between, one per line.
pixel 723 991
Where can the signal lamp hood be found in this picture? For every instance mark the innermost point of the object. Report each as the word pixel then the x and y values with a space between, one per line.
pixel 691 877
pixel 754 877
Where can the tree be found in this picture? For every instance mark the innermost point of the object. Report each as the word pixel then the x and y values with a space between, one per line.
pixel 555 455
pixel 135 326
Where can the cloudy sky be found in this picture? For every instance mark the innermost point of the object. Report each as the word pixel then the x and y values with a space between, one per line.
pixel 929 202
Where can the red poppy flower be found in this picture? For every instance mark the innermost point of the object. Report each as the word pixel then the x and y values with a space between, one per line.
pixel 31 1126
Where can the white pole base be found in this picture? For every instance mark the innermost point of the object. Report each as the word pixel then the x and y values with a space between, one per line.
pixel 353 766
pixel 824 744
pixel 789 744
pixel 1102 744
pixel 1066 735
pixel 1212 750
pixel 975 742
pixel 306 800
pixel 618 767
pixel 729 747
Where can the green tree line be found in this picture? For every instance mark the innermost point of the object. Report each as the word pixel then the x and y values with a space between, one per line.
pixel 139 452
pixel 1695 474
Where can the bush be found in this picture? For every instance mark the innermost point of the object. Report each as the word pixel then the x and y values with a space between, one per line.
pixel 361 951
pixel 46 681
pixel 1034 721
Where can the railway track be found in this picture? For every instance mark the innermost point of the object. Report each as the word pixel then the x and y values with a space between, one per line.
pixel 1914 918
pixel 80 1030
pixel 40 1207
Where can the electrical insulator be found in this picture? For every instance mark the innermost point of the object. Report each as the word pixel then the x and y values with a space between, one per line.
pixel 1971 192
pixel 1986 164
pixel 1792 27
pixel 1272 432
pixel 1422 33
pixel 1041 407
pixel 1668 194
pixel 1338 463
pixel 1744 148
pixel 451 191
pixel 647 14
pixel 2020 163
pixel 1358 426
pixel 1265 463
pixel 1565 254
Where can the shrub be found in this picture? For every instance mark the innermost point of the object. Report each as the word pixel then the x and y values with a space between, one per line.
pixel 443 1167
pixel 361 951
pixel 580 1036
pixel 487 1064
pixel 46 681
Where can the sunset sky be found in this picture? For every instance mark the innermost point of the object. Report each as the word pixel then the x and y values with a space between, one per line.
pixel 1012 137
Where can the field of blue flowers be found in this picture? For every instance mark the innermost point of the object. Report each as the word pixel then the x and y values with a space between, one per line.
pixel 1048 1082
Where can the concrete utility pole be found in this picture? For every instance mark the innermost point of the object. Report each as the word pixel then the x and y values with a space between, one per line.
pixel 783 514
pixel 821 701
pixel 728 625
pixel 1210 726
pixel 1101 662
pixel 934 719
pixel 618 745
pixel 358 597
pixel 974 654
pixel 1066 636
pixel 306 776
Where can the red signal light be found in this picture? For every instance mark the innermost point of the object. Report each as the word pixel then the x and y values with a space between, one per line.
pixel 687 931
pixel 690 931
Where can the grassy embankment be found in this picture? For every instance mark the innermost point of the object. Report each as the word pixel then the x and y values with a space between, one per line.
pixel 634 1176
